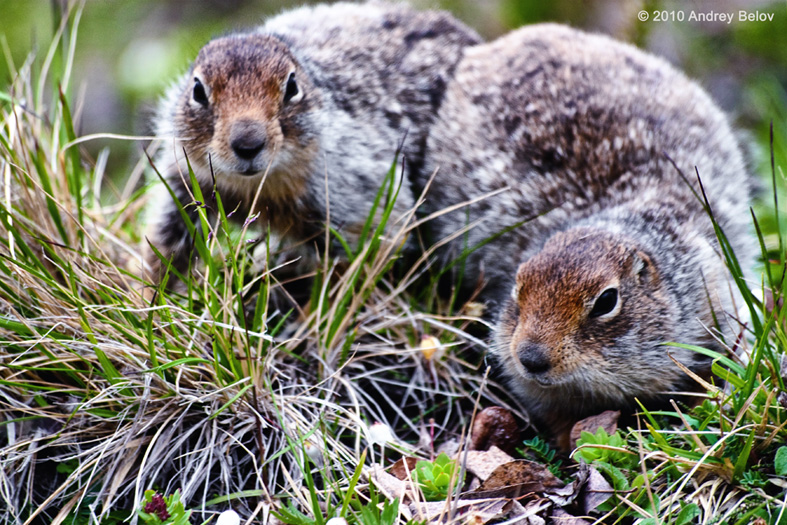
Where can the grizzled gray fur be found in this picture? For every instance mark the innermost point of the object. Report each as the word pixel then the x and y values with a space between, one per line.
pixel 314 103
pixel 574 132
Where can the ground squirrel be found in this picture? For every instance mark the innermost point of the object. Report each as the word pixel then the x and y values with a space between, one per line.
pixel 319 98
pixel 579 133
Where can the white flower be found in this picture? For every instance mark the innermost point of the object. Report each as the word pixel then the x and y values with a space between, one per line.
pixel 380 434
pixel 228 517
pixel 337 521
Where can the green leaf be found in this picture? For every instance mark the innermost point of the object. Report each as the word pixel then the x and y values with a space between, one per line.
pixel 743 457
pixel 442 460
pixel 442 480
pixel 390 512
pixel 353 482
pixel 780 462
pixel 687 513
pixel 619 481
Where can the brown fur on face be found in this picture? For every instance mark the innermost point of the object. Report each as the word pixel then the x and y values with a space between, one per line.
pixel 556 291
pixel 566 359
pixel 244 78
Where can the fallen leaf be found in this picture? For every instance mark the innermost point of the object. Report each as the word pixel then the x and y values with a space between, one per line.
pixel 778 482
pixel 533 513
pixel 487 511
pixel 391 486
pixel 596 491
pixel 563 496
pixel 474 511
pixel 481 463
pixel 402 468
pixel 607 420
pixel 495 426
pixel 521 471
pixel 515 479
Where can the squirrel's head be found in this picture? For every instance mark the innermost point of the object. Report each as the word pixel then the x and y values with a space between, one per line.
pixel 244 107
pixel 587 316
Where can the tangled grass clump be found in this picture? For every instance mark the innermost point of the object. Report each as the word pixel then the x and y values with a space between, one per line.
pixel 216 393
pixel 209 390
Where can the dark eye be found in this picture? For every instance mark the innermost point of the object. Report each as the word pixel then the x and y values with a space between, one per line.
pixel 605 303
pixel 199 93
pixel 292 88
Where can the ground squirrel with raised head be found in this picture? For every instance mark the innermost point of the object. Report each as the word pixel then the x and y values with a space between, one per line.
pixel 578 134
pixel 316 102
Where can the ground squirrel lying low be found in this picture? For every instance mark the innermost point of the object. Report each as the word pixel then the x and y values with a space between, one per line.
pixel 315 102
pixel 618 256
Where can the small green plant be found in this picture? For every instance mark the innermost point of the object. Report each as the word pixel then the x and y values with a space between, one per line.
pixel 289 514
pixel 371 514
pixel 163 510
pixel 753 479
pixel 545 454
pixel 436 478
pixel 606 453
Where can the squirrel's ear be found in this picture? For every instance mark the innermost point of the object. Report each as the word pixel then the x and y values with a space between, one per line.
pixel 521 275
pixel 292 93
pixel 641 266
pixel 200 93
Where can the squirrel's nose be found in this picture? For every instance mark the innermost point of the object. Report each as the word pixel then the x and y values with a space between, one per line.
pixel 247 139
pixel 534 357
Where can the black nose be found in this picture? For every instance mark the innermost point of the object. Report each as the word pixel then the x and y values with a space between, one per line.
pixel 534 357
pixel 247 139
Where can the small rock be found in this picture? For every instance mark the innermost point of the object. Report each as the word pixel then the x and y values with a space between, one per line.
pixel 495 426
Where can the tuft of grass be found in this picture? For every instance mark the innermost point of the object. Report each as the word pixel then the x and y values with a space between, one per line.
pixel 210 391
pixel 216 395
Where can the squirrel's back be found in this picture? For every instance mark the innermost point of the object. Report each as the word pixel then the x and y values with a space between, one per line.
pixel 599 248
pixel 385 64
pixel 575 123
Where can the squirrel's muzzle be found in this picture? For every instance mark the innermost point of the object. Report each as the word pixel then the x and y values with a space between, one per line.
pixel 247 139
pixel 534 357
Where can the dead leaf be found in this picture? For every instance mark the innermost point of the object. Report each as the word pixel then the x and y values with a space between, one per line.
pixel 515 479
pixel 481 463
pixel 476 512
pixel 778 482
pixel 521 471
pixel 398 469
pixel 391 486
pixel 563 496
pixel 533 513
pixel 607 420
pixel 495 426
pixel 596 491
pixel 480 513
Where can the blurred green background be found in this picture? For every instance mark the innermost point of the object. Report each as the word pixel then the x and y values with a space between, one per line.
pixel 128 51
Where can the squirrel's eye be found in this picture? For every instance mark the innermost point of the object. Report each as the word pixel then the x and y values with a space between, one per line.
pixel 291 91
pixel 605 303
pixel 199 93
